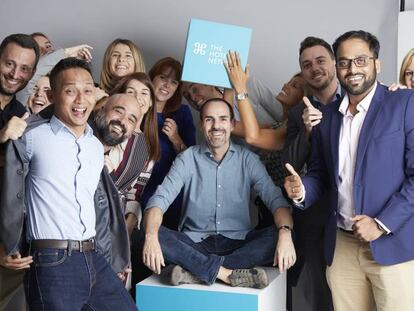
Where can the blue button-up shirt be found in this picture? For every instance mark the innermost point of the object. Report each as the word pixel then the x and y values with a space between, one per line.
pixel 63 176
pixel 217 194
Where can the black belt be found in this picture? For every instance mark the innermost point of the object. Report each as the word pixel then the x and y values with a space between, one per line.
pixel 346 231
pixel 81 246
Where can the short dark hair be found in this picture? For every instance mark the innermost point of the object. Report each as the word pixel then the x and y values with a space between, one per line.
pixel 374 45
pixel 217 99
pixel 22 40
pixel 65 64
pixel 309 42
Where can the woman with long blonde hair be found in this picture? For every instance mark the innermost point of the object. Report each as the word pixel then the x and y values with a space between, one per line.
pixel 122 57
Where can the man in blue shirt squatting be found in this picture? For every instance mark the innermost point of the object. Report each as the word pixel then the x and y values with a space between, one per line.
pixel 216 237
pixel 59 203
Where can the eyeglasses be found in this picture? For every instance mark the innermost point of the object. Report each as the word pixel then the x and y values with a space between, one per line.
pixel 360 61
pixel 408 74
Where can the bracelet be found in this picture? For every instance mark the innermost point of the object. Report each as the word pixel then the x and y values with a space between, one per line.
pixel 285 227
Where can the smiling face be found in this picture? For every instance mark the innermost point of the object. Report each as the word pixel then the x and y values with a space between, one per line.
pixel 38 100
pixel 357 81
pixel 121 62
pixel 17 66
pixel 216 125
pixel 117 120
pixel 74 98
pixel 165 85
pixel 318 67
pixel 141 92
pixel 292 92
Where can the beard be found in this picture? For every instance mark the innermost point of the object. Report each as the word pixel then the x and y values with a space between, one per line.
pixel 107 136
pixel 361 89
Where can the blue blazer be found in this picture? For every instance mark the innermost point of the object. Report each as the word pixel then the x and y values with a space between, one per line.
pixel 384 172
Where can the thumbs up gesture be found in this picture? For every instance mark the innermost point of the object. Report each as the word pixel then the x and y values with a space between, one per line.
pixel 14 128
pixel 293 184
pixel 311 116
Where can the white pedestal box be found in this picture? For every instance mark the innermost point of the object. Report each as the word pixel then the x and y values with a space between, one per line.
pixel 152 295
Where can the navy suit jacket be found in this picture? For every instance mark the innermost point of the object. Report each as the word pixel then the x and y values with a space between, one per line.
pixel 384 172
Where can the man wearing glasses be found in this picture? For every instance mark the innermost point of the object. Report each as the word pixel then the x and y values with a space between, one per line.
pixel 363 157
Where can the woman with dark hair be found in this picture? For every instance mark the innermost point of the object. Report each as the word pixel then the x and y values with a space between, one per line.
pixel 176 130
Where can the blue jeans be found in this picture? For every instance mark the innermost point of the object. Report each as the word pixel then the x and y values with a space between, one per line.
pixel 204 259
pixel 62 280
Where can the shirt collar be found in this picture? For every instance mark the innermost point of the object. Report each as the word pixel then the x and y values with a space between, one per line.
pixel 58 125
pixel 338 94
pixel 204 148
pixel 362 105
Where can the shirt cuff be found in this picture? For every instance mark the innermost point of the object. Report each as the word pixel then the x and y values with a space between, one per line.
pixel 382 226
pixel 302 199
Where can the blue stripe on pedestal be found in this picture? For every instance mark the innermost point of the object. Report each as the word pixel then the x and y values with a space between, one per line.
pixel 155 298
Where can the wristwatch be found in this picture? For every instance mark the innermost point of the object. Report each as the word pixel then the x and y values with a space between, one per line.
pixel 241 96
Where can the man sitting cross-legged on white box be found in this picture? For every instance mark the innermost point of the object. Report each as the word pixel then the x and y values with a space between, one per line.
pixel 216 237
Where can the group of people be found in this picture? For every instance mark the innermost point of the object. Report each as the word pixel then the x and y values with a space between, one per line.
pixel 98 179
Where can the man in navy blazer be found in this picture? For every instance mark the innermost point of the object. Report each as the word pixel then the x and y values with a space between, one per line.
pixel 363 156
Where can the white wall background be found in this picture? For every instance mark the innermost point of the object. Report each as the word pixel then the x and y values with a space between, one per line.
pixel 405 35
pixel 159 26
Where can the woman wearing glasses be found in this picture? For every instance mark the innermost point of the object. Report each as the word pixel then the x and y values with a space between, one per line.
pixel 407 69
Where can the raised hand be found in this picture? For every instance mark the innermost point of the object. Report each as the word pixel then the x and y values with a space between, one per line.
pixel 293 184
pixel 82 51
pixel 237 76
pixel 311 116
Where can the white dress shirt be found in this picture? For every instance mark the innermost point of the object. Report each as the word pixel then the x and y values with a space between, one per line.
pixel 348 145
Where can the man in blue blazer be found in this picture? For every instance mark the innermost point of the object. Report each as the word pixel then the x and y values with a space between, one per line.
pixel 363 156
